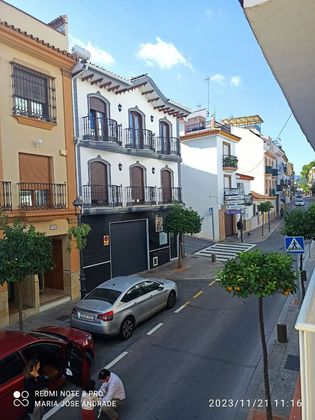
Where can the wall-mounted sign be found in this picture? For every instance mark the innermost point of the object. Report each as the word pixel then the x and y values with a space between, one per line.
pixel 106 240
pixel 158 224
pixel 53 227
pixel 163 238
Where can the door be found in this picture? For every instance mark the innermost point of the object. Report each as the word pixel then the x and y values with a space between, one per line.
pixel 157 292
pixel 137 185
pixel 136 132
pixel 166 183
pixel 165 137
pixel 77 366
pixel 229 224
pixel 128 247
pixel 11 379
pixel 99 183
pixel 54 278
pixel 138 300
pixel 97 117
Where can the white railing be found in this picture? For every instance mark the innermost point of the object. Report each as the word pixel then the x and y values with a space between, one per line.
pixel 305 324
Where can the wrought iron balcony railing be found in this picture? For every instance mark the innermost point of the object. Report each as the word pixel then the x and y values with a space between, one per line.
pixel 102 195
pixel 268 170
pixel 39 195
pixel 274 172
pixel 168 195
pixel 101 129
pixel 139 195
pixel 229 161
pixel 5 196
pixel 195 127
pixel 139 139
pixel 167 145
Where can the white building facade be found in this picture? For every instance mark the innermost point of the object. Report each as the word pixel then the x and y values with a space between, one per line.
pixel 128 170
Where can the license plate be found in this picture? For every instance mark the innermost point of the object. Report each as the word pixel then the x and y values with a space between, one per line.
pixel 84 315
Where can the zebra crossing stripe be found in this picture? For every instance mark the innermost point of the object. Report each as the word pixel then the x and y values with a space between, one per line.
pixel 225 252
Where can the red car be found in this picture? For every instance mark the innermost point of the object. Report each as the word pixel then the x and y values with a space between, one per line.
pixel 59 350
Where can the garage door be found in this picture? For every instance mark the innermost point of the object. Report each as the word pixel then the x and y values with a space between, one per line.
pixel 128 247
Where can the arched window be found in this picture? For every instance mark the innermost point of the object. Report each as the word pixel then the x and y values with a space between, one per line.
pixel 98 118
pixel 99 182
pixel 137 184
pixel 166 185
pixel 136 129
pixel 165 139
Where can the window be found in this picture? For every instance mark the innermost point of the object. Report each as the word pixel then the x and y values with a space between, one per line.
pixel 34 94
pixel 107 295
pixel 150 286
pixel 10 367
pixel 133 293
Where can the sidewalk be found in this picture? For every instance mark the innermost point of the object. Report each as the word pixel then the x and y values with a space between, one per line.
pixel 254 236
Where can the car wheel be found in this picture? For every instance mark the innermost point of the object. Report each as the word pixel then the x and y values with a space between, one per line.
pixel 127 328
pixel 171 300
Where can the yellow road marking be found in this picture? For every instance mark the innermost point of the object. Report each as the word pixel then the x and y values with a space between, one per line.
pixel 198 294
pixel 182 307
pixel 214 281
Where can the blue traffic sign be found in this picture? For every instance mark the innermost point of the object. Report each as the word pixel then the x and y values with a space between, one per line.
pixel 294 244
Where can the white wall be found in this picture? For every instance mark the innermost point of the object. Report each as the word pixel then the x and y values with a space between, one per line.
pixel 251 161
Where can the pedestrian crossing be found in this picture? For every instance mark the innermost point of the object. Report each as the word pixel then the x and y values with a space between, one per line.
pixel 225 252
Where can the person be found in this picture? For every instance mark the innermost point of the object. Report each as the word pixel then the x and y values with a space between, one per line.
pixel 34 382
pixel 281 212
pixel 239 225
pixel 89 401
pixel 112 394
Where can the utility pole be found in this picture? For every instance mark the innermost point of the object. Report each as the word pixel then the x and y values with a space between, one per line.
pixel 207 79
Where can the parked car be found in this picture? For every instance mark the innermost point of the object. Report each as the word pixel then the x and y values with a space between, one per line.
pixel 59 356
pixel 118 305
pixel 299 202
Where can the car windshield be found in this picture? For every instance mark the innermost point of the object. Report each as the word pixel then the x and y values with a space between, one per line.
pixel 107 295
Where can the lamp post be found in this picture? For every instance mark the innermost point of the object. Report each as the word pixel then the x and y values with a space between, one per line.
pixel 78 205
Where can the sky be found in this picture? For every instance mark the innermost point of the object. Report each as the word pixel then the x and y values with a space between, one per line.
pixel 180 43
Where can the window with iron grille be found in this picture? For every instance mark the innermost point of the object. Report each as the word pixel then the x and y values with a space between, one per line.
pixel 34 94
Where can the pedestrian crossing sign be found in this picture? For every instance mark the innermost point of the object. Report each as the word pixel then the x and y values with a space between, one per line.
pixel 294 244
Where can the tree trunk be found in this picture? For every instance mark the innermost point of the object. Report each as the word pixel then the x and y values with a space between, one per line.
pixel 262 223
pixel 19 287
pixel 269 220
pixel 179 260
pixel 265 359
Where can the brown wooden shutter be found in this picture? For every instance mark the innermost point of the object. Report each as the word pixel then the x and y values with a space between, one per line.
pixel 166 183
pixel 97 105
pixel 98 173
pixel 34 168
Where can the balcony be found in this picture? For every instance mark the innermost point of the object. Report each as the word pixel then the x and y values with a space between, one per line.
pixel 268 170
pixel 279 187
pixel 229 163
pixel 167 146
pixel 195 127
pixel 5 196
pixel 137 196
pixel 100 129
pixel 102 195
pixel 273 192
pixel 41 196
pixel 139 139
pixel 274 172
pixel 168 195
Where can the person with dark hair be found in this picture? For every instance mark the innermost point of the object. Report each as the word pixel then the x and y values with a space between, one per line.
pixel 112 394
pixel 239 226
pixel 89 400
pixel 33 382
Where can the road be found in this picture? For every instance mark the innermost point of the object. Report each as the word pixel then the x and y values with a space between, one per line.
pixel 207 351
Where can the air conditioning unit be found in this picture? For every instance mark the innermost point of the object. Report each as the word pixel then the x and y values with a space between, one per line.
pixel 155 261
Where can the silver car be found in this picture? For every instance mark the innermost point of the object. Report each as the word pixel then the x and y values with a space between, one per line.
pixel 118 305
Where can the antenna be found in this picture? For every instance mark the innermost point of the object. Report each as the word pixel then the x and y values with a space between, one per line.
pixel 207 79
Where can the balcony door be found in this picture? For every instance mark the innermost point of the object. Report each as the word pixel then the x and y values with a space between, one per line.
pixel 165 137
pixel 137 184
pixel 98 119
pixel 99 183
pixel 166 184
pixel 135 129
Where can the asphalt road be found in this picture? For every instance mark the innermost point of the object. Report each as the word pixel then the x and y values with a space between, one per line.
pixel 208 351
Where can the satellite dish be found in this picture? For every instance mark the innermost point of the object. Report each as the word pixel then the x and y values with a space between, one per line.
pixel 82 53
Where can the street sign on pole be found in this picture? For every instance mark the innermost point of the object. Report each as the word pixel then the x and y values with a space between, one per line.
pixel 294 244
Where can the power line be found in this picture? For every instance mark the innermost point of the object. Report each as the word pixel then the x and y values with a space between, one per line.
pixel 278 136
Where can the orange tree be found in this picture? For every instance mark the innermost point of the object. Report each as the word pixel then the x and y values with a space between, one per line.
pixel 260 274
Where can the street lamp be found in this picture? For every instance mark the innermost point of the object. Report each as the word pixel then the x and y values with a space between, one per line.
pixel 78 205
